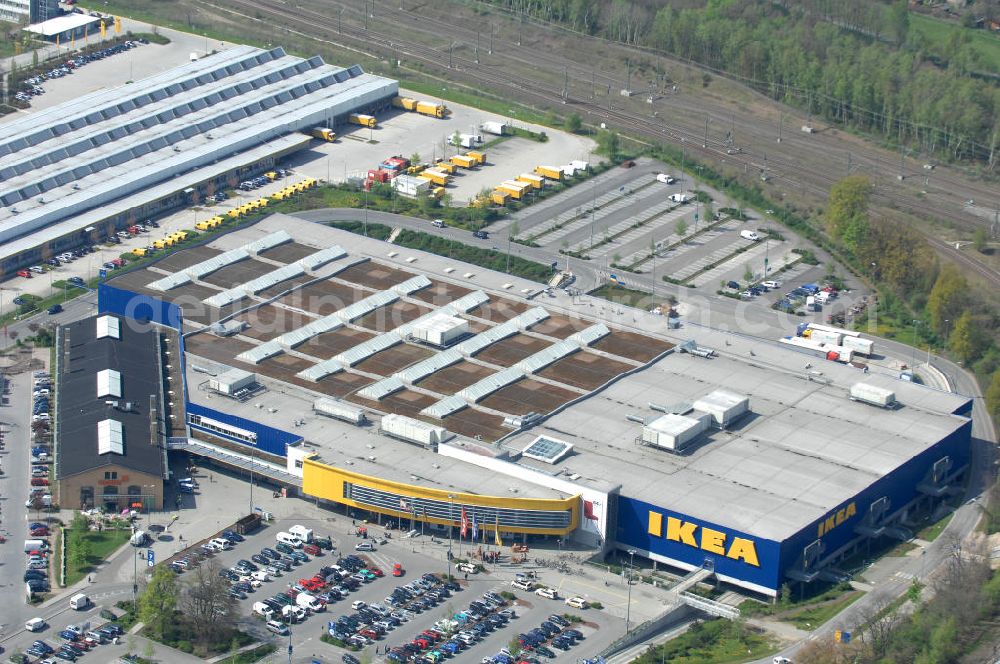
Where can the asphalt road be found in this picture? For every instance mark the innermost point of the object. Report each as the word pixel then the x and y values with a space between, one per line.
pixel 14 482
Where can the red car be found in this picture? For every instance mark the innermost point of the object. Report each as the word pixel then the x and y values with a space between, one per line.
pixel 39 481
pixel 40 532
pixel 376 571
pixel 368 633
pixel 422 643
pixel 397 570
pixel 312 550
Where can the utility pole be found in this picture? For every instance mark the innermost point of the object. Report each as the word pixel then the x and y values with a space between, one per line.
pixel 340 21
pixel 593 82
pixel 781 121
pixel 477 47
pixel 565 90
pixel 848 163
pixel 628 75
pixel 491 38
pixel 704 143
pixel 451 52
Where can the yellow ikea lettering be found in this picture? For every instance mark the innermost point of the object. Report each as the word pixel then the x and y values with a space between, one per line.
pixel 743 549
pixel 709 539
pixel 655 524
pixel 836 518
pixel 713 540
pixel 681 531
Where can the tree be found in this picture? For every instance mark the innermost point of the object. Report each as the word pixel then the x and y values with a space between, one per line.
pixel 979 239
pixel 159 599
pixel 415 158
pixel 947 299
pixel 79 550
pixel 79 523
pixel 207 603
pixel 899 20
pixel 456 139
pixel 966 338
pixel 847 211
pixel 747 274
pixel 609 143
pixel 574 123
pixel 681 228
pixel 993 396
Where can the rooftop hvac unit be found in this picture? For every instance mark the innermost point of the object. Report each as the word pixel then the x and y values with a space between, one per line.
pixel 414 431
pixel 675 432
pixel 871 394
pixel 339 410
pixel 724 407
pixel 232 381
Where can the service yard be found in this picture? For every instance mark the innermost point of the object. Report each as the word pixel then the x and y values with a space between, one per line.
pixel 529 610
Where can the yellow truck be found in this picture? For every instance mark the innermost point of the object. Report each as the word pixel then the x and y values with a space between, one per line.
pixel 271 175
pixel 138 251
pixel 323 134
pixel 363 120
pixel 499 197
pixel 437 192
pixel 446 166
pixel 405 103
pixel 201 226
pixel 464 161
pixel 433 109
pixel 517 190
pixel 550 172
pixel 262 202
pixel 234 213
pixel 439 178
pixel 480 157
pixel 536 181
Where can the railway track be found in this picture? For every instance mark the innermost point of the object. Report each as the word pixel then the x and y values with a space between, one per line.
pixel 798 176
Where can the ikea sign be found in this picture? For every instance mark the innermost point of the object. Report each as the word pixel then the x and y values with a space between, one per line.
pixel 689 543
pixel 704 538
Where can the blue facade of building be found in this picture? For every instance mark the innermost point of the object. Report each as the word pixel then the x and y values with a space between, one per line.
pixel 676 536
pixel 268 439
pixel 694 542
pixel 111 300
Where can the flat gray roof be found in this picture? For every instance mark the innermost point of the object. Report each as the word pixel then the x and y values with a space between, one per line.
pixel 804 449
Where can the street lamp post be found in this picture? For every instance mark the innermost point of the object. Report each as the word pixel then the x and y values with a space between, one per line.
pixel 913 362
pixel 628 607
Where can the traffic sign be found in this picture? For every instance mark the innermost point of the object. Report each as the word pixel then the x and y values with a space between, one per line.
pixel 150 558
pixel 102 273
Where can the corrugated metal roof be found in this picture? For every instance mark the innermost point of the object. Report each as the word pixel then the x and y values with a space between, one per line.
pixel 322 257
pixel 487 386
pixel 468 302
pixel 365 350
pixel 590 335
pixel 268 242
pixel 258 354
pixel 381 389
pixel 321 370
pixel 412 285
pixel 173 281
pixel 436 362
pixel 547 356
pixel 445 407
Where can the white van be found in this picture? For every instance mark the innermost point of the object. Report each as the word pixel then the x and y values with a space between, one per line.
pixel 224 544
pixel 303 533
pixel 263 610
pixel 468 568
pixel 520 585
pixel 289 539
pixel 749 235
pixel 35 625
pixel 576 602
pixel 438 223
pixel 550 593
pixel 79 602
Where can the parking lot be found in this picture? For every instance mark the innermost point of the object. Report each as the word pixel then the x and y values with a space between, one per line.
pixel 530 610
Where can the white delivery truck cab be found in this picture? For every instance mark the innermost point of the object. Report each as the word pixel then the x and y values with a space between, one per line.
pixel 749 235
pixel 79 602
pixel 289 539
